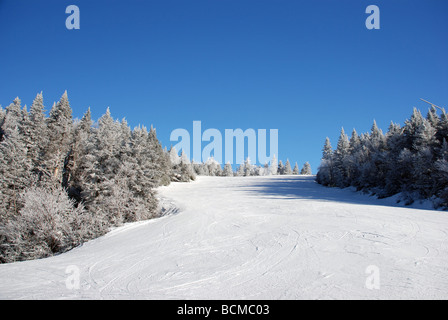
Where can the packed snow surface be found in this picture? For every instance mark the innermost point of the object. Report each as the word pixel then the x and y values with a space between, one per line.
pixel 278 237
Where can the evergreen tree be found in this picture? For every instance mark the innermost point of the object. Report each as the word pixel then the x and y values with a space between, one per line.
pixel 240 171
pixel 442 127
pixel 228 170
pixel 75 167
pixel 432 117
pixel 295 171
pixel 13 117
pixel 160 160
pixel 59 124
pixel 15 173
pixel 325 174
pixel 410 159
pixel 103 163
pixel 306 170
pixel 281 167
pixel 341 160
pixel 274 166
pixel 288 169
pixel 187 171
pixel 37 131
pixel 76 178
pixel 411 127
pixel 247 168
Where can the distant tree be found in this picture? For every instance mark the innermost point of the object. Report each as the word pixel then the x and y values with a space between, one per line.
pixel 295 171
pixel 306 170
pixel 274 166
pixel 241 170
pixel 187 171
pixel 287 169
pixel 228 170
pixel 281 167
pixel 325 174
pixel 248 168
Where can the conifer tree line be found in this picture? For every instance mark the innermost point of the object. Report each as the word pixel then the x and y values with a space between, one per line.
pixel 65 181
pixel 411 159
pixel 211 167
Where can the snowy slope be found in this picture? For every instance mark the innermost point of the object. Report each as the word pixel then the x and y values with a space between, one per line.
pixel 281 237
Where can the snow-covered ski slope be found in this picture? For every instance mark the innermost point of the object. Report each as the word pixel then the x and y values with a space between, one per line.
pixel 280 237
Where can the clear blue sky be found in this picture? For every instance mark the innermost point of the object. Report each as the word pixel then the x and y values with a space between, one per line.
pixel 306 68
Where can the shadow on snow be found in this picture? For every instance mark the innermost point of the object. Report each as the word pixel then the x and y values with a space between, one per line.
pixel 306 188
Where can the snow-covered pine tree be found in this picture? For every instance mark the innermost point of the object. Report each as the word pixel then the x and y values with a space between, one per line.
pixel 228 170
pixel 59 124
pixel 274 166
pixel 432 117
pixel 187 171
pixel 75 164
pixel 352 160
pixel 174 156
pixel 37 131
pixel 341 160
pixel 131 197
pixel 325 174
pixel 160 159
pixel 442 127
pixel 288 169
pixel 425 145
pixel 200 168
pixel 13 117
pixel 175 163
pixel 408 159
pixel 281 167
pixel 212 167
pixel 240 171
pixel 15 173
pixel 306 170
pixel 411 127
pixel 295 171
pixel 248 168
pixel 25 130
pixel 394 146
pixel 103 163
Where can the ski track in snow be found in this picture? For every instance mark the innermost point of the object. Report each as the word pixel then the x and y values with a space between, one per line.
pixel 280 237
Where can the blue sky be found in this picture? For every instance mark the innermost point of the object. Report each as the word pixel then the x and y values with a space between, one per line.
pixel 306 68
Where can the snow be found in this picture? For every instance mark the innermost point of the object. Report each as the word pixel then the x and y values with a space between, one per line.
pixel 276 237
